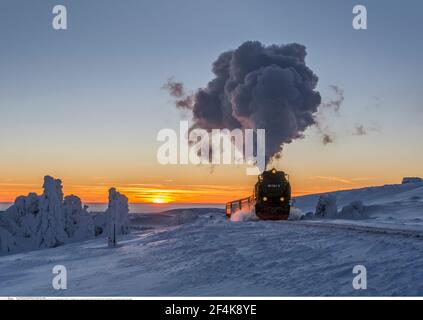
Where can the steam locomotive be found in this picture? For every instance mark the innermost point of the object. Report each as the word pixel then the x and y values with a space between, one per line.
pixel 271 198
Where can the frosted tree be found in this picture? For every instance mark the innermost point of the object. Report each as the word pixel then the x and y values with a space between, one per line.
pixel 21 222
pixel 326 206
pixel 28 215
pixel 79 224
pixel 117 215
pixel 52 230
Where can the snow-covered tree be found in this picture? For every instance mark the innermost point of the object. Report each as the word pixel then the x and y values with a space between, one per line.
pixel 52 232
pixel 22 217
pixel 78 221
pixel 326 206
pixel 117 213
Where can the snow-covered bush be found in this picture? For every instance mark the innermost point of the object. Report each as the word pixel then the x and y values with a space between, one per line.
pixel 326 206
pixel 354 210
pixel 411 180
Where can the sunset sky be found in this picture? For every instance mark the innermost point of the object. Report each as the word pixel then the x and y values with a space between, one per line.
pixel 86 104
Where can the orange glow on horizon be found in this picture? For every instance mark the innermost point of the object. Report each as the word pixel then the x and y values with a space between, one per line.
pixel 157 194
pixel 163 194
pixel 187 185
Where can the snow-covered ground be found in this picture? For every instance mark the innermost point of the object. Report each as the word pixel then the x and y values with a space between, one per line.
pixel 190 252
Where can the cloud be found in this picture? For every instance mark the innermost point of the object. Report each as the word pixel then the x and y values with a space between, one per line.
pixel 335 179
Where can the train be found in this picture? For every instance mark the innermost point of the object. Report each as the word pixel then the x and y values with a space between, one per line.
pixel 271 197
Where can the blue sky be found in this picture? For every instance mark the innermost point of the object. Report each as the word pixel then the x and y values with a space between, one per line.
pixel 68 98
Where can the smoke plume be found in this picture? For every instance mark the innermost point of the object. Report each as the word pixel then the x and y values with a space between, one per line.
pixel 360 130
pixel 327 139
pixel 256 87
pixel 332 104
pixel 176 89
pixel 335 103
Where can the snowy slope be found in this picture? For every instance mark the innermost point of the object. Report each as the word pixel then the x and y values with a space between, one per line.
pixel 200 252
pixel 370 195
pixel 390 206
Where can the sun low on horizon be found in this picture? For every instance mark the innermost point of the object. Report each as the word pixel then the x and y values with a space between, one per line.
pixel 161 200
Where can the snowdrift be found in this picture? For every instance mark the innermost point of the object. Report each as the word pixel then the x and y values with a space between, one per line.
pixel 51 220
pixel 370 197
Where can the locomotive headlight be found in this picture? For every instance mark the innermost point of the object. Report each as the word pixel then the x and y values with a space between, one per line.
pixel 282 199
pixel 264 198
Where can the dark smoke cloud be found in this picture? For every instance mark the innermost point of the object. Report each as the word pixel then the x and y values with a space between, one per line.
pixel 258 87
